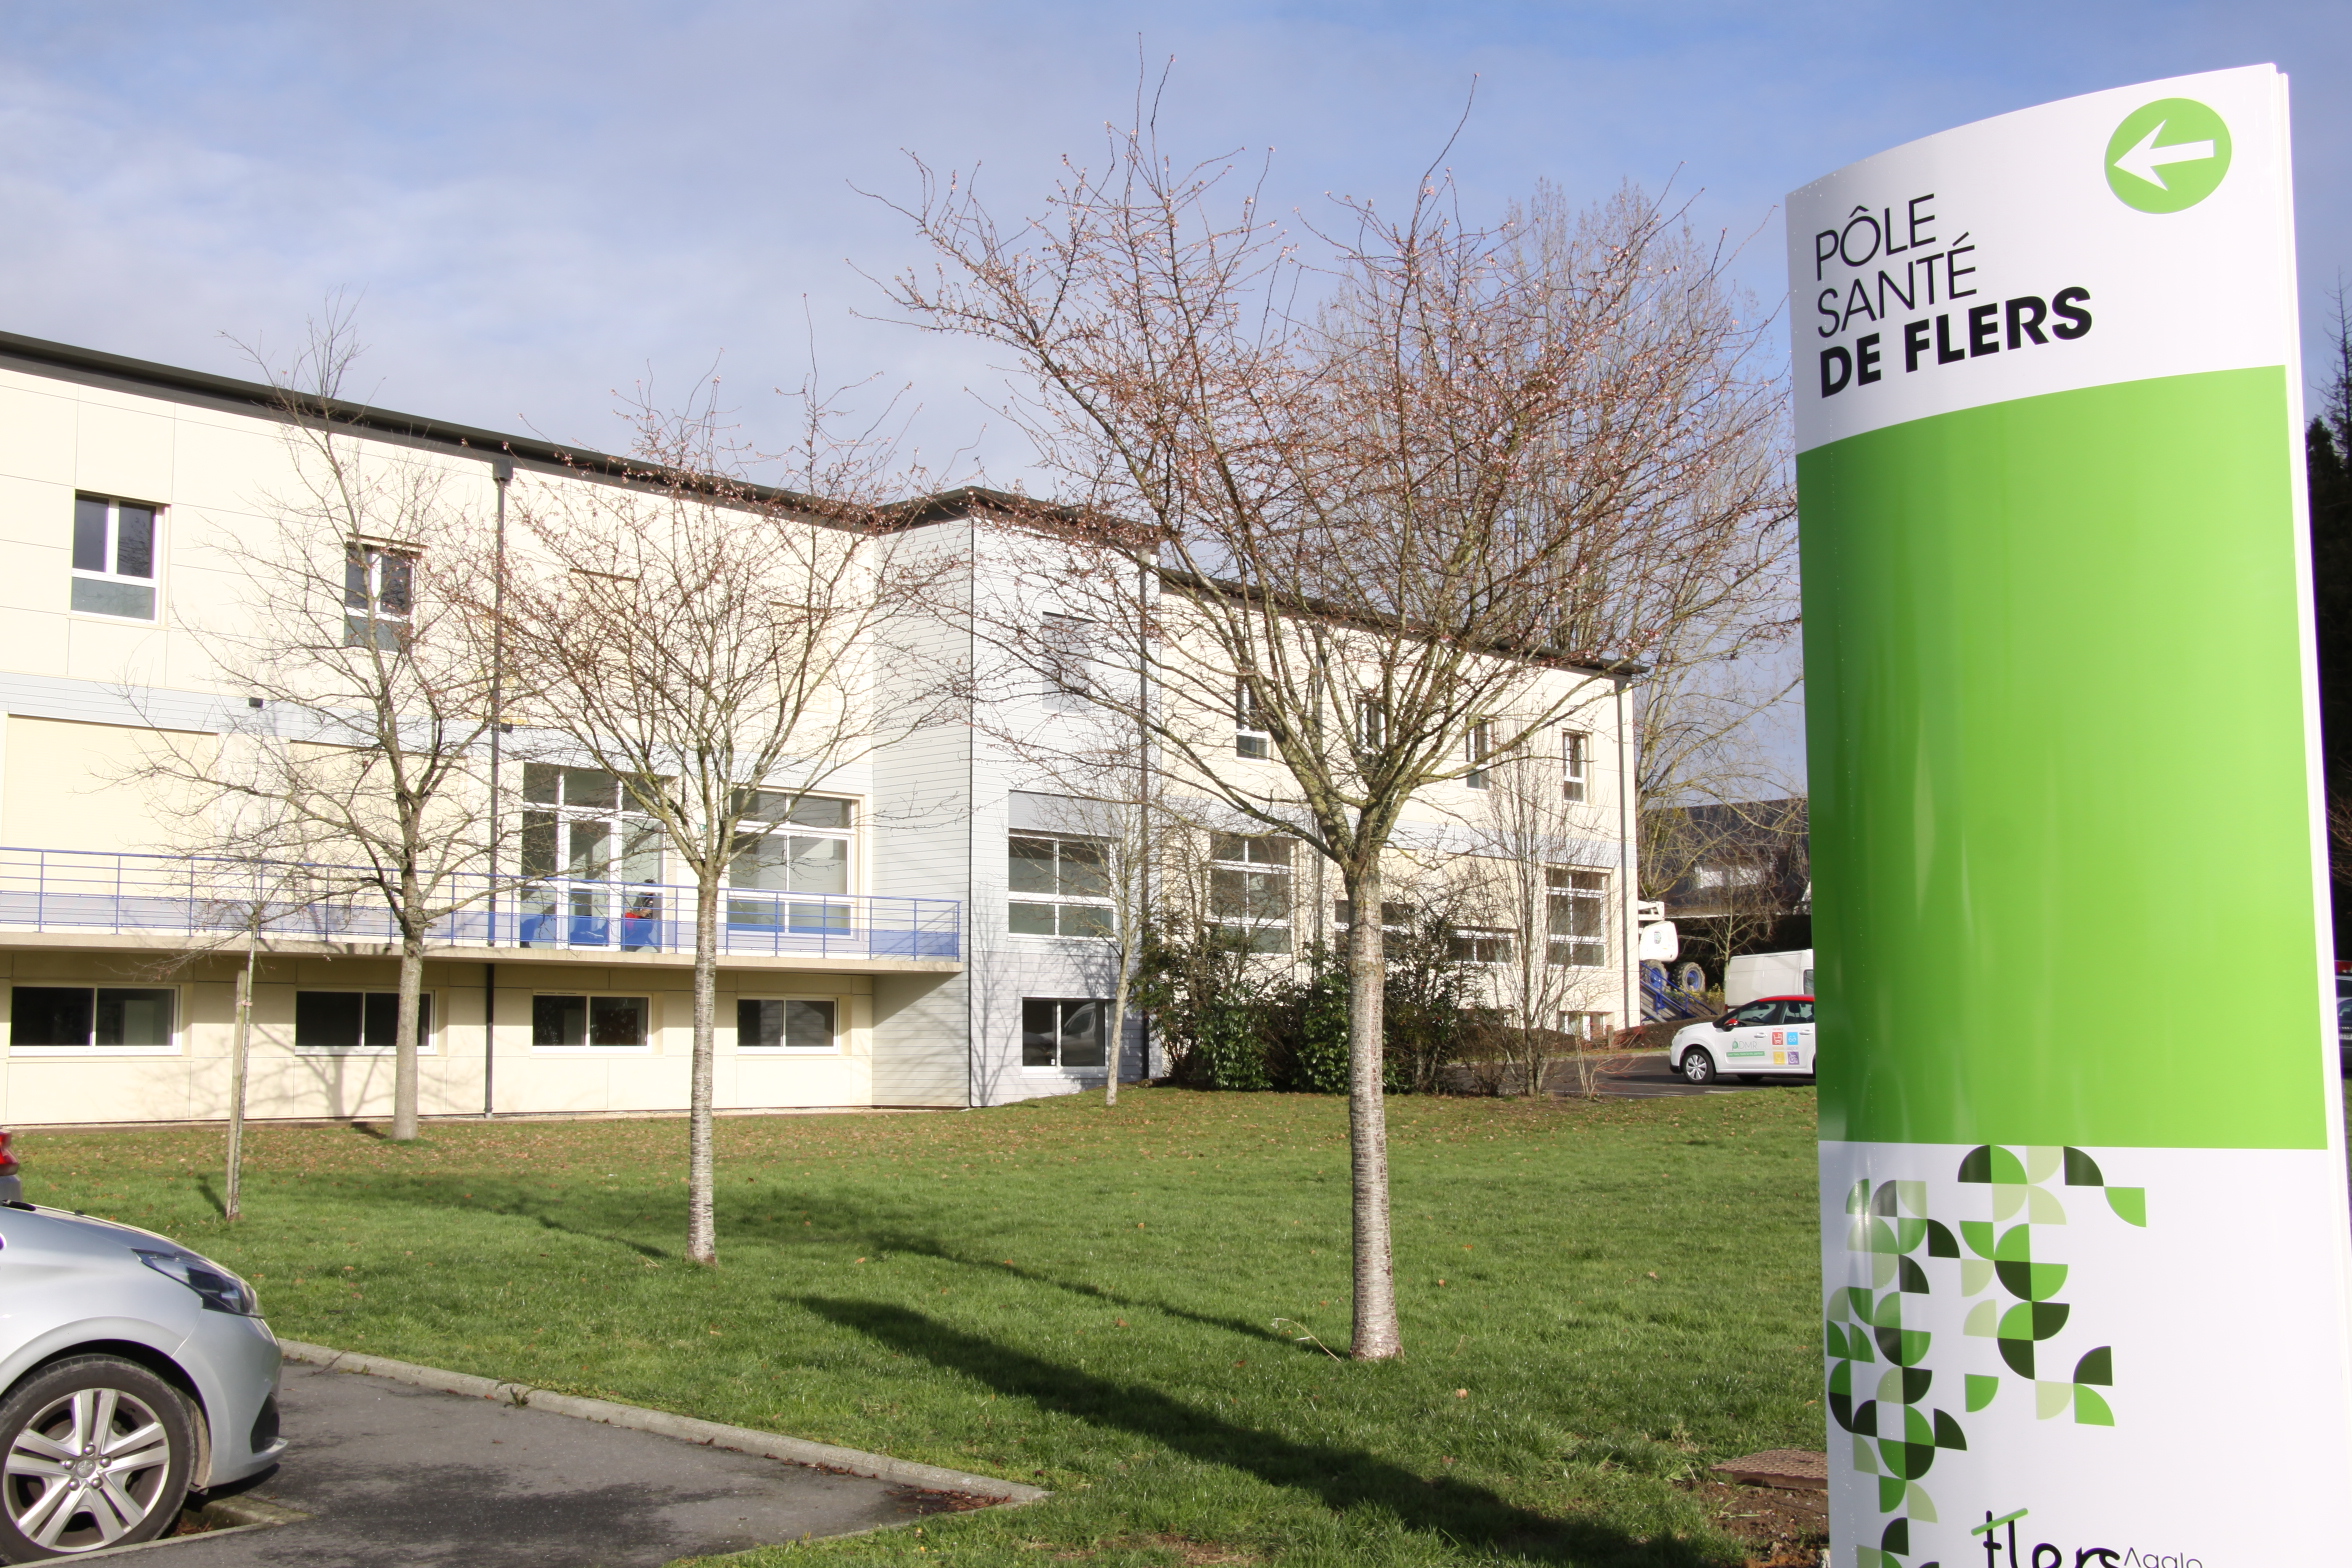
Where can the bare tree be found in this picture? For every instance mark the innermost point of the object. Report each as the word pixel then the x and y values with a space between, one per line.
pixel 1406 502
pixel 359 757
pixel 712 646
pixel 1532 874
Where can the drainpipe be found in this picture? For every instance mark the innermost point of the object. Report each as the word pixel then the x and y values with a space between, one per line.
pixel 501 474
pixel 1630 881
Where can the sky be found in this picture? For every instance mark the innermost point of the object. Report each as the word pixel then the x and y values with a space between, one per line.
pixel 536 208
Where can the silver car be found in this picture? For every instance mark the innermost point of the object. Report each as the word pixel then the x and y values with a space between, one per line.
pixel 131 1370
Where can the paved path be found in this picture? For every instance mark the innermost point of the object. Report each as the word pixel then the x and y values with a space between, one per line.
pixel 1643 1076
pixel 393 1474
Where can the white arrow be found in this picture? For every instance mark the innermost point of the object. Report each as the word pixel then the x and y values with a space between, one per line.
pixel 2146 161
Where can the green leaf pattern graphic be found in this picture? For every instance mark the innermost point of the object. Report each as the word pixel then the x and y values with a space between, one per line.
pixel 1880 1382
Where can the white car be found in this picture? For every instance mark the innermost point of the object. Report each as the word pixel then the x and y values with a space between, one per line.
pixel 131 1370
pixel 1771 1036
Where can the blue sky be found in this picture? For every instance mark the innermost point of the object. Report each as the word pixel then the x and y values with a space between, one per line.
pixel 540 203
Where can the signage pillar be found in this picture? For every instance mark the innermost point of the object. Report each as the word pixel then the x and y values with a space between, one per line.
pixel 2084 1228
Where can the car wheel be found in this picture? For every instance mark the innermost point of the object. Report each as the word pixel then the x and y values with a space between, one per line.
pixel 1698 1066
pixel 97 1454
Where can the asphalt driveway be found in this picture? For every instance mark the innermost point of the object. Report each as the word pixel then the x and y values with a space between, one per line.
pixel 391 1473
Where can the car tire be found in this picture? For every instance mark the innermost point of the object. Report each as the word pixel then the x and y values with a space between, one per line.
pixel 94 1452
pixel 1698 1066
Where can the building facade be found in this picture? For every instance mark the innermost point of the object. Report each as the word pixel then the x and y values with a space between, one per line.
pixel 927 931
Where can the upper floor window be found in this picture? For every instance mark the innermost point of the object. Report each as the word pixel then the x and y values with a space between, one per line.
pixel 1578 916
pixel 1252 735
pixel 580 825
pixel 114 558
pixel 1068 645
pixel 1575 759
pixel 1371 722
pixel 1060 886
pixel 1479 945
pixel 1250 888
pixel 792 844
pixel 378 596
pixel 1478 746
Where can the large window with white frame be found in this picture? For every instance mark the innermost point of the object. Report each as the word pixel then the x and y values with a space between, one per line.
pixel 580 1022
pixel 594 859
pixel 792 844
pixel 1250 888
pixel 785 1023
pixel 114 556
pixel 1057 884
pixel 1477 747
pixel 130 1019
pixel 343 1022
pixel 1578 916
pixel 1575 765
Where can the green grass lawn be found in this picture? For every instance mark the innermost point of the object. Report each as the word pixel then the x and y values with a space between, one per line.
pixel 1596 1298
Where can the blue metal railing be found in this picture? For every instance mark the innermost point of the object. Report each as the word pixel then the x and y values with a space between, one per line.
pixel 71 890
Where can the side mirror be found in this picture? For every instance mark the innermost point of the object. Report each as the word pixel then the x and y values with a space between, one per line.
pixel 1726 1021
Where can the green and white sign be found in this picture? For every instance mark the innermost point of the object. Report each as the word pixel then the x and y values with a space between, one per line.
pixel 2085 1238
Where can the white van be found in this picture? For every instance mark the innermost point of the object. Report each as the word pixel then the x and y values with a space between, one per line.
pixel 1768 974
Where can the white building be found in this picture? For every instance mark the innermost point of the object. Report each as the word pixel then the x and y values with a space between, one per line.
pixel 909 987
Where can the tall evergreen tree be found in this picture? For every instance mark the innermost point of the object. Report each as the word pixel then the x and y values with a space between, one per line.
pixel 2327 451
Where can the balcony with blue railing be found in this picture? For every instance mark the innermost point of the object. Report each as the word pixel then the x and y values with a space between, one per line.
pixel 153 899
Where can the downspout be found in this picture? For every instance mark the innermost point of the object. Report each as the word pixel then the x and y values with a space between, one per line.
pixel 501 474
pixel 1629 964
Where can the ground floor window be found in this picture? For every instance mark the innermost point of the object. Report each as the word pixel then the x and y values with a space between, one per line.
pixel 356 1020
pixel 1579 917
pixel 1586 1026
pixel 783 1024
pixel 1063 1031
pixel 101 1017
pixel 588 1020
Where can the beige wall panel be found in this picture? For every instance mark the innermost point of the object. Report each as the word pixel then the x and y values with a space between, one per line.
pixel 37 638
pixel 775 1080
pixel 102 1089
pixel 65 787
pixel 552 1084
pixel 37 435
pixel 231 467
pixel 120 653
pixel 123 452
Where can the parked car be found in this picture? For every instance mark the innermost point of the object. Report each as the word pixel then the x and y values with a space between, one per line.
pixel 1771 1036
pixel 11 1188
pixel 131 1370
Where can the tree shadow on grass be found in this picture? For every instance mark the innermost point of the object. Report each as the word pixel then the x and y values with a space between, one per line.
pixel 1342 1479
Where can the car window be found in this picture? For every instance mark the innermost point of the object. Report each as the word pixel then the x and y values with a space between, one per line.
pixel 1798 1013
pixel 1758 1013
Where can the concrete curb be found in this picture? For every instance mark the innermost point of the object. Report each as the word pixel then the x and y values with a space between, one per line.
pixel 740 1439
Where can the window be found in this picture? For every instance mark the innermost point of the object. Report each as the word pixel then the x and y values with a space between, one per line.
pixel 378 596
pixel 1756 1013
pixel 82 1017
pixel 783 1024
pixel 790 844
pixel 1371 722
pixel 1067 644
pixel 582 839
pixel 1480 945
pixel 1477 747
pixel 1249 889
pixel 1252 736
pixel 356 1021
pixel 114 558
pixel 1593 1027
pixel 1578 916
pixel 564 1022
pixel 1058 1032
pixel 1575 759
pixel 1797 1012
pixel 1714 876
pixel 1060 886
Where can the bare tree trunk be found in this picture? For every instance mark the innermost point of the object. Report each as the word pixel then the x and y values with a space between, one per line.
pixel 1376 1336
pixel 232 1189
pixel 1118 1042
pixel 702 1231
pixel 404 1029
